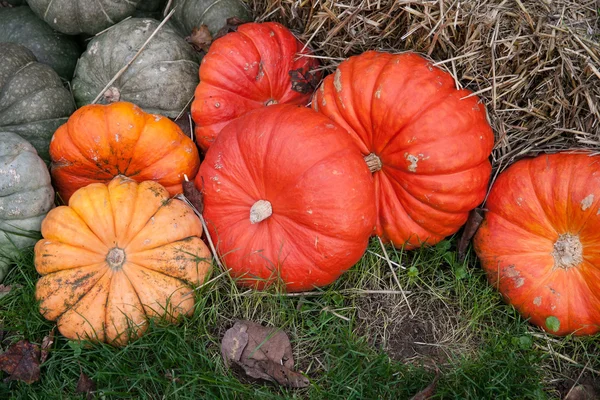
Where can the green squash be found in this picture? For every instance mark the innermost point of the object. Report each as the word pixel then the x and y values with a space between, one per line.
pixel 82 16
pixel 20 25
pixel 191 14
pixel 33 100
pixel 161 80
pixel 26 195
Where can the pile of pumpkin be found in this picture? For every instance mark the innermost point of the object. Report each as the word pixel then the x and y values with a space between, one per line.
pixel 291 194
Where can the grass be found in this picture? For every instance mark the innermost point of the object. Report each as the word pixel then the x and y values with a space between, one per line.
pixel 356 339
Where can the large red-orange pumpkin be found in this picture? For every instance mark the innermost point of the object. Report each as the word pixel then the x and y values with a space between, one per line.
pixel 540 241
pixel 116 256
pixel 426 142
pixel 250 69
pixel 287 198
pixel 99 142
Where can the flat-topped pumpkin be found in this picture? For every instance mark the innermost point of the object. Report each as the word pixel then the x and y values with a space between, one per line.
pixel 426 142
pixel 117 255
pixel 99 142
pixel 540 241
pixel 25 196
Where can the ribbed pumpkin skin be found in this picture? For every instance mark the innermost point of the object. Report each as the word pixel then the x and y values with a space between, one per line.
pixel 33 100
pixel 82 16
pixel 26 195
pixel 20 25
pixel 433 146
pixel 534 204
pixel 190 14
pixel 322 208
pixel 100 142
pixel 117 255
pixel 246 70
pixel 161 80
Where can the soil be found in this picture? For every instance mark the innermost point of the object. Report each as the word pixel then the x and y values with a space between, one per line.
pixel 586 388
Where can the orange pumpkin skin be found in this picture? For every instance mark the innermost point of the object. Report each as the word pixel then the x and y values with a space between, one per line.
pixel 540 241
pixel 316 184
pixel 117 255
pixel 246 70
pixel 99 142
pixel 427 147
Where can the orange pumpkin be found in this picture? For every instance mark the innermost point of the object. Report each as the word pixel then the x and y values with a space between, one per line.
pixel 99 142
pixel 540 241
pixel 117 255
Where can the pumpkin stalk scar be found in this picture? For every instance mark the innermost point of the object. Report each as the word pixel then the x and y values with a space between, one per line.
pixel 260 211
pixel 115 258
pixel 373 162
pixel 568 251
pixel 270 102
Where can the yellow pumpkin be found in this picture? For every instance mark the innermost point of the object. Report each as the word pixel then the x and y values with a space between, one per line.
pixel 118 254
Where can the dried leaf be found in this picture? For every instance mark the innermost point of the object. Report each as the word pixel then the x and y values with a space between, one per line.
pixel 429 391
pixel 303 81
pixel 22 362
pixel 46 344
pixel 4 290
pixel 231 25
pixel 475 219
pixel 200 39
pixel 85 385
pixel 262 353
pixel 185 123
pixel 193 195
pixel 582 392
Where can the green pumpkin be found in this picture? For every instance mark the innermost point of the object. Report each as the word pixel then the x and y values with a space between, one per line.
pixel 33 100
pixel 82 16
pixel 20 25
pixel 191 14
pixel 161 80
pixel 26 195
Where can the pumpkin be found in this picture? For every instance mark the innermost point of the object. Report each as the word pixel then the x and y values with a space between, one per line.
pixel 33 100
pixel 190 14
pixel 26 195
pixel 20 25
pixel 117 255
pixel 426 143
pixel 82 16
pixel 539 242
pixel 100 142
pixel 287 198
pixel 161 80
pixel 150 9
pixel 246 70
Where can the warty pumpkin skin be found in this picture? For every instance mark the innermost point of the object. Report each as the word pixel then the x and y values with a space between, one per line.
pixel 20 25
pixel 161 80
pixel 190 14
pixel 99 142
pixel 116 256
pixel 33 100
pixel 286 196
pixel 246 70
pixel 82 16
pixel 540 241
pixel 427 145
pixel 26 195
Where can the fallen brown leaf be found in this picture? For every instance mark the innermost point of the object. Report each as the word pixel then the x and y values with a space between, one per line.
pixel 303 81
pixel 429 391
pixel 231 25
pixel 193 195
pixel 200 39
pixel 475 219
pixel 22 362
pixel 262 353
pixel 185 123
pixel 85 385
pixel 46 344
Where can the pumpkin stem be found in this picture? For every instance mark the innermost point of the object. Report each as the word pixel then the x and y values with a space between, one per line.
pixel 115 258
pixel 373 162
pixel 260 211
pixel 568 251
pixel 112 95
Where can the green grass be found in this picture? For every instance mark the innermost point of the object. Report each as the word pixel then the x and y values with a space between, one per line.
pixel 352 340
